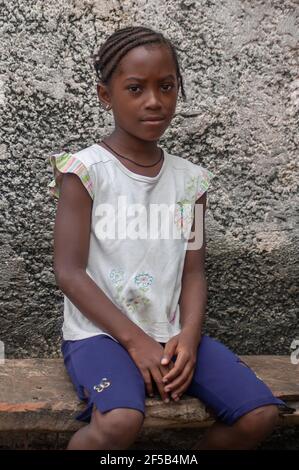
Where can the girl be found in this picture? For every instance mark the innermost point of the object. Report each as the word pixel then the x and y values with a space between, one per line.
pixel 134 304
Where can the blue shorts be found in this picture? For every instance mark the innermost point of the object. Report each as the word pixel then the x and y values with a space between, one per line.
pixel 99 364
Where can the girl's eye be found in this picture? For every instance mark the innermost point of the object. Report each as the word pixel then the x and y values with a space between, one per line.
pixel 133 88
pixel 168 89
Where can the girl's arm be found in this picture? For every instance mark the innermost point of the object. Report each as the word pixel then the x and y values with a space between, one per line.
pixel 193 298
pixel 71 249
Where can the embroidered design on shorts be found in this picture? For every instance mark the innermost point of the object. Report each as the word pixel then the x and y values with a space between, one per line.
pixel 102 385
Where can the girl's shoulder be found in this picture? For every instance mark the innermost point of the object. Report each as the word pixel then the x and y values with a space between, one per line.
pixel 194 169
pixel 81 163
pixel 91 155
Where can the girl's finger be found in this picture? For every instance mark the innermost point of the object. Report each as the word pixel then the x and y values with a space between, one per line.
pixel 148 383
pixel 179 366
pixel 157 376
pixel 179 391
pixel 179 380
pixel 166 369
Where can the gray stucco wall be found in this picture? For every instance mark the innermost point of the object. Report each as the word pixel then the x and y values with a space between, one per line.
pixel 240 64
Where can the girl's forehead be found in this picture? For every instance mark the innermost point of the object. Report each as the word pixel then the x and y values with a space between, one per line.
pixel 144 60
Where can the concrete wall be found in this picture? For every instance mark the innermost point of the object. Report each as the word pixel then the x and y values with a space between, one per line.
pixel 240 64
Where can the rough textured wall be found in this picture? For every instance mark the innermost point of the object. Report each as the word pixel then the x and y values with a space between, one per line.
pixel 240 65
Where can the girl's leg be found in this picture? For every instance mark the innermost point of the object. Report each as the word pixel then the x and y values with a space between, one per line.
pixel 114 430
pixel 105 376
pixel 245 407
pixel 246 433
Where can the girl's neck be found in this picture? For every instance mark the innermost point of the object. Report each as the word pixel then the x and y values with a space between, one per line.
pixel 141 151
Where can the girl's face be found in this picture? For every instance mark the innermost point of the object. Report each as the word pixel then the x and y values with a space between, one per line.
pixel 143 89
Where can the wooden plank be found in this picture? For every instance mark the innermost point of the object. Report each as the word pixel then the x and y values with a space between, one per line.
pixel 31 380
pixel 290 419
pixel 278 373
pixel 37 394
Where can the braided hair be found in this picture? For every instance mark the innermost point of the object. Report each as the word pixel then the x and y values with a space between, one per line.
pixel 122 41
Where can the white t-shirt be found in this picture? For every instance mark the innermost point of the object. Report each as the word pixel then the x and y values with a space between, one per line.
pixel 135 262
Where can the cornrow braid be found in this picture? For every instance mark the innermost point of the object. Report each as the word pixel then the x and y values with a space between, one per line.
pixel 121 42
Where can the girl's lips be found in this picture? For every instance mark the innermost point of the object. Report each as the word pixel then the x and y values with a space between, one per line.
pixel 154 123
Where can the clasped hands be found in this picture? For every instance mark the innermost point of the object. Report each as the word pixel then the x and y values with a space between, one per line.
pixel 178 379
pixel 155 363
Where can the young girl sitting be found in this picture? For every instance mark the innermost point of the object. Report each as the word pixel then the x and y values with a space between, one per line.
pixel 135 297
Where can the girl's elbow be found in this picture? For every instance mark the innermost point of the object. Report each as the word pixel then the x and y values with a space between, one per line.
pixel 62 278
pixel 67 278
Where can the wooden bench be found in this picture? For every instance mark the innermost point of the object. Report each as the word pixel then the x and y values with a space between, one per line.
pixel 37 395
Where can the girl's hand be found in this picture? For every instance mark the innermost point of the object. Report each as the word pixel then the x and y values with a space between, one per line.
pixel 184 346
pixel 147 354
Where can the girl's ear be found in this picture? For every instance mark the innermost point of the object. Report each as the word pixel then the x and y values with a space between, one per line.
pixel 103 94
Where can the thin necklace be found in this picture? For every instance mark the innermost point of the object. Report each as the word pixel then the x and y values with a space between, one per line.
pixel 139 164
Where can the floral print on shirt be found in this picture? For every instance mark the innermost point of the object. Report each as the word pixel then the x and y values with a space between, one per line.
pixel 116 276
pixel 138 299
pixel 183 213
pixel 195 187
pixel 143 280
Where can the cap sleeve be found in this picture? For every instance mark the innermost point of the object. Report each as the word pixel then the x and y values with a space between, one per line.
pixel 203 182
pixel 68 163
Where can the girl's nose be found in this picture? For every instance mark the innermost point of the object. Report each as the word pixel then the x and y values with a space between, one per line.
pixel 153 100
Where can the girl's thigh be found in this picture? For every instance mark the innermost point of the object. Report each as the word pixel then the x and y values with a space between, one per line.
pixel 227 385
pixel 104 375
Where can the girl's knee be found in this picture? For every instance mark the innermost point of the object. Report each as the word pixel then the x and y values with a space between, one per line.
pixel 261 419
pixel 117 424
